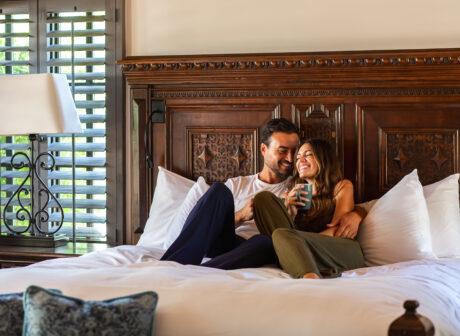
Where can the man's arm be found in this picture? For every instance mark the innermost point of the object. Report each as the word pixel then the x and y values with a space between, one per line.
pixel 245 213
pixel 348 224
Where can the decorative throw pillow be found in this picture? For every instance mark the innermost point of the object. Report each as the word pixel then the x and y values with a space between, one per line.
pixel 48 313
pixel 193 195
pixel 169 194
pixel 443 209
pixel 12 313
pixel 397 227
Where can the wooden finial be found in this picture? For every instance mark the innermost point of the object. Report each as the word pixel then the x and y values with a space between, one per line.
pixel 411 323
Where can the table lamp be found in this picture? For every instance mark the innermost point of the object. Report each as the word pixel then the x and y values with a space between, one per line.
pixel 35 105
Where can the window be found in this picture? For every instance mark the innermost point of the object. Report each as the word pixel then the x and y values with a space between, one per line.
pixel 81 42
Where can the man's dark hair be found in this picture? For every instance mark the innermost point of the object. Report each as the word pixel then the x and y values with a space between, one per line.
pixel 277 125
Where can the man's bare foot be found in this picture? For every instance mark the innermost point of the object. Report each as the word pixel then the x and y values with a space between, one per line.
pixel 311 276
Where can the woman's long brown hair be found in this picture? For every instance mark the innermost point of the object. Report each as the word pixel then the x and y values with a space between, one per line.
pixel 327 176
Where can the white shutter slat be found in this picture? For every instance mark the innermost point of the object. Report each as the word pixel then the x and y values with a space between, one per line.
pixel 14 49
pixel 80 218
pixel 90 89
pixel 64 161
pixel 87 76
pixel 12 63
pixel 62 189
pixel 77 47
pixel 65 19
pixel 13 35
pixel 13 21
pixel 77 61
pixel 87 133
pixel 79 33
pixel 90 104
pixel 67 230
pixel 59 175
pixel 65 202
pixel 59 146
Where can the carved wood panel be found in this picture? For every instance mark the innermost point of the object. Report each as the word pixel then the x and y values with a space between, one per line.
pixel 432 151
pixel 230 120
pixel 220 153
pixel 395 138
pixel 322 121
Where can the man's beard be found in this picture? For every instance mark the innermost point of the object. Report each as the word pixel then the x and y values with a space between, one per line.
pixel 280 174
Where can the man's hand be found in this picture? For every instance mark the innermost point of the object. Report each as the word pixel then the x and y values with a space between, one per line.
pixel 246 213
pixel 348 224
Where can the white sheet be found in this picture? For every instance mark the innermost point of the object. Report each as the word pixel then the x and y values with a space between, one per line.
pixel 266 301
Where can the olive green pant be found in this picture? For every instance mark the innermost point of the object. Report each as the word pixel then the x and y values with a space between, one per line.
pixel 303 252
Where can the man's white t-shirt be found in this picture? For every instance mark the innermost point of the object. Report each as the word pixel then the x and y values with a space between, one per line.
pixel 243 189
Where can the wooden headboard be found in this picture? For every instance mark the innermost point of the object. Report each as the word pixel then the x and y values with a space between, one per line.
pixel 386 113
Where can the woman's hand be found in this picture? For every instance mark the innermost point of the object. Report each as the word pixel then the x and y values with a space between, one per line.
pixel 290 200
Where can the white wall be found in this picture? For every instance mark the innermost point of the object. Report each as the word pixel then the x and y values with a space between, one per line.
pixel 178 27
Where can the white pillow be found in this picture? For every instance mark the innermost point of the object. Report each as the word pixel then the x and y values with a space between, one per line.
pixel 397 227
pixel 193 195
pixel 443 208
pixel 170 192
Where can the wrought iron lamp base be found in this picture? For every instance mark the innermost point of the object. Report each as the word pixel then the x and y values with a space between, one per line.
pixel 34 241
pixel 38 215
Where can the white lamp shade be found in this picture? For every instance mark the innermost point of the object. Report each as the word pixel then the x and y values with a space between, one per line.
pixel 37 104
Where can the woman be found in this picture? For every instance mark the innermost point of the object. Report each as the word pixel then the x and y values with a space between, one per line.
pixel 305 246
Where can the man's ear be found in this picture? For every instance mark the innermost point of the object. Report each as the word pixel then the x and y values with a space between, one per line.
pixel 263 148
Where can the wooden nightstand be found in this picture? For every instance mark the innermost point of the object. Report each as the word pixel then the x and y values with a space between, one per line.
pixel 18 256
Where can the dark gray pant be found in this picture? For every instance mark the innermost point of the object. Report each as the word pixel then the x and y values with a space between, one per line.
pixel 304 252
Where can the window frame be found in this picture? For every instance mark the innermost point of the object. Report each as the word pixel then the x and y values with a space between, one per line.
pixel 115 89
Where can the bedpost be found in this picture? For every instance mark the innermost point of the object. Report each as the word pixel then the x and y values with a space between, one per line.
pixel 411 323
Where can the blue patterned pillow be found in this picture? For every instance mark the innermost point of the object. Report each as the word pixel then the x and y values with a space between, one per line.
pixel 48 313
pixel 12 313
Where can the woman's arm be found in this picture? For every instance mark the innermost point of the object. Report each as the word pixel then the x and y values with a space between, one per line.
pixel 344 203
pixel 291 203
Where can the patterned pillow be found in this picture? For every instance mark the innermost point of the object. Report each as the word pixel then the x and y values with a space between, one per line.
pixel 47 313
pixel 12 313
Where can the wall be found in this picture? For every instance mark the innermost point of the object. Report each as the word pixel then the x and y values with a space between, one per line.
pixel 175 27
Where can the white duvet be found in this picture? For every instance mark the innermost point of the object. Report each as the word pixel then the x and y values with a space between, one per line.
pixel 265 301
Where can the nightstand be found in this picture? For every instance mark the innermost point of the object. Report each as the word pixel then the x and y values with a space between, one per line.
pixel 18 256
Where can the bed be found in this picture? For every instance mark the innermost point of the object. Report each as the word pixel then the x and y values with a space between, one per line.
pixel 385 112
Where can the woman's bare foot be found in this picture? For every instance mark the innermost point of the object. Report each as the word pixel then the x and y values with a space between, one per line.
pixel 311 276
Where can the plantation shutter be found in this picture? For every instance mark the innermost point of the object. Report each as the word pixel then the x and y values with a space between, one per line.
pixel 76 47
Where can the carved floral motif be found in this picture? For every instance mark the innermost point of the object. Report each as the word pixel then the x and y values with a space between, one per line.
pixel 320 121
pixel 221 153
pixel 432 152
pixel 401 159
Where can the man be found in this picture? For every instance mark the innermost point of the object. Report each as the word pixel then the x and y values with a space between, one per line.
pixel 279 142
pixel 213 229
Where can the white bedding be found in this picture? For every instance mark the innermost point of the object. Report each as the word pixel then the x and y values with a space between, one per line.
pixel 266 301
